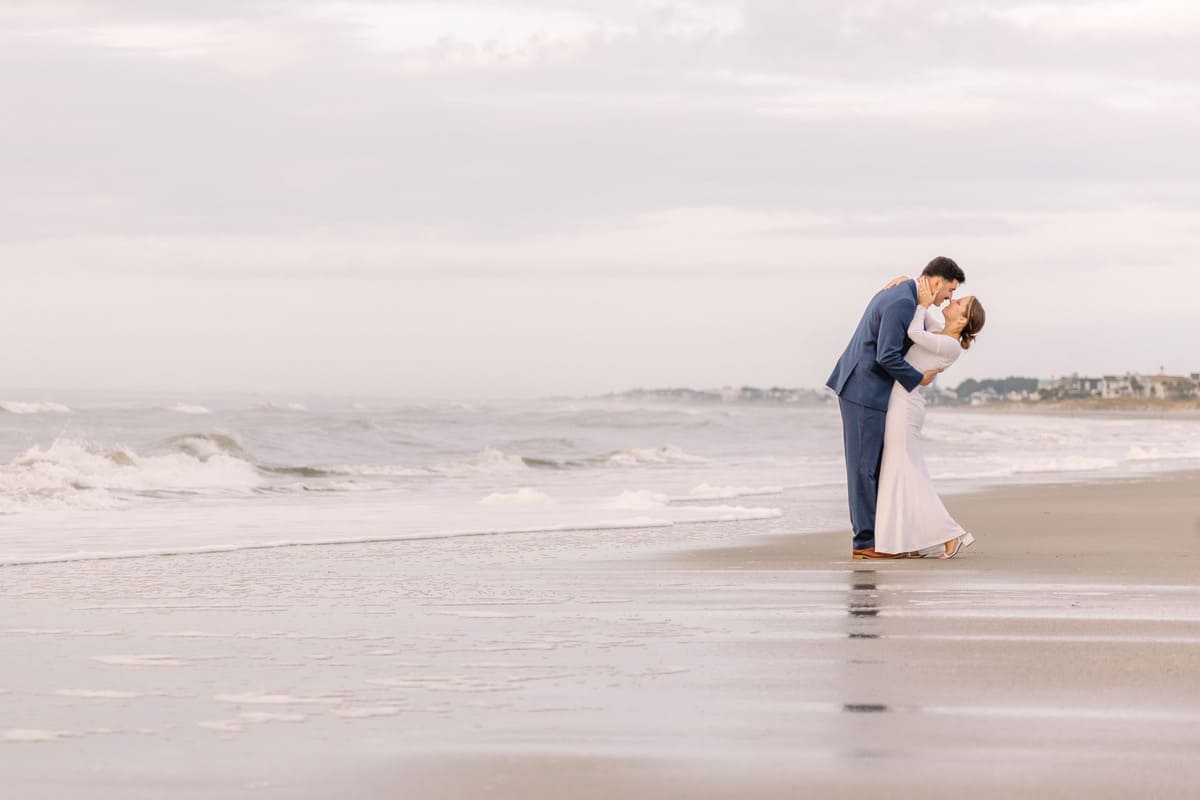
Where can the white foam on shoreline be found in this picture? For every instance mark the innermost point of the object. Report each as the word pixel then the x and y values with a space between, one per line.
pixel 106 694
pixel 660 516
pixel 707 491
pixel 524 496
pixel 367 712
pixel 244 720
pixel 639 456
pixel 640 498
pixel 186 408
pixel 1136 454
pixel 140 660
pixel 487 461
pixel 266 699
pixel 269 405
pixel 33 735
pixel 34 407
pixel 455 684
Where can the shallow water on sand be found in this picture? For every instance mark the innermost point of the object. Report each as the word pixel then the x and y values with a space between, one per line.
pixel 265 673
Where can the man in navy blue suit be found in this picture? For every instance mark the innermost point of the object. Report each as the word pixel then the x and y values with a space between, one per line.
pixel 863 380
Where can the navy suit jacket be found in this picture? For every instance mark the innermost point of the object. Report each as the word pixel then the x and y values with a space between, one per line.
pixel 874 359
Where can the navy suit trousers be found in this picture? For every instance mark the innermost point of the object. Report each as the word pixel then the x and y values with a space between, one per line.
pixel 862 430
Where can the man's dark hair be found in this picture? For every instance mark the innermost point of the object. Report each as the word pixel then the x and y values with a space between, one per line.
pixel 945 268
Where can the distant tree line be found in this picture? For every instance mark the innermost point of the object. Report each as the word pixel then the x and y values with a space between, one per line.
pixel 1001 386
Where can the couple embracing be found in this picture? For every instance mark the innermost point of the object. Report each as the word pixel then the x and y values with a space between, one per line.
pixel 894 509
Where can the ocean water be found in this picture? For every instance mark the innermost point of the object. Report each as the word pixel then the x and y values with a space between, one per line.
pixel 95 476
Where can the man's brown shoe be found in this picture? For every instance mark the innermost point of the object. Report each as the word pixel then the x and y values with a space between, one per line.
pixel 871 552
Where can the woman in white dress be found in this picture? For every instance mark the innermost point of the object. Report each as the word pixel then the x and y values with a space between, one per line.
pixel 910 517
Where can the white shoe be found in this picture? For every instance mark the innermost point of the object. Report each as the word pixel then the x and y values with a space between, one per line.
pixel 966 540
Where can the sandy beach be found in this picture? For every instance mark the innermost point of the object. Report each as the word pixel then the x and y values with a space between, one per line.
pixel 1059 658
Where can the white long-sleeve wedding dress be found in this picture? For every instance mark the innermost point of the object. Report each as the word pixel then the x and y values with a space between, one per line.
pixel 909 515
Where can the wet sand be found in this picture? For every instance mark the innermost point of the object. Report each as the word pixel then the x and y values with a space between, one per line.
pixel 1059 658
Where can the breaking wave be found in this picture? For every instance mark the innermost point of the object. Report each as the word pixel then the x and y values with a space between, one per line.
pixel 497 461
pixel 267 405
pixel 634 456
pixel 486 461
pixel 34 407
pixel 186 408
pixel 72 473
pixel 524 496
pixel 640 499
pixel 707 491
pixel 1136 454
pixel 85 474
pixel 204 446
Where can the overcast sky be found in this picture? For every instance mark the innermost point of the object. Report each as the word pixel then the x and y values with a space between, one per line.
pixel 522 198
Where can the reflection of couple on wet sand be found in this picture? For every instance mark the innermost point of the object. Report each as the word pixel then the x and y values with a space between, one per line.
pixel 894 509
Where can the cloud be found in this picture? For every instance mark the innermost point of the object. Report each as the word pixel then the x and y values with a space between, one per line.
pixel 271 117
pixel 900 225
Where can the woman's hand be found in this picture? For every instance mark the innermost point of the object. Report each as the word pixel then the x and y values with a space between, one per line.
pixel 897 281
pixel 924 293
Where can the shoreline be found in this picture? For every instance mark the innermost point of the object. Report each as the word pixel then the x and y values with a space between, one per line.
pixel 647 664
pixel 973 488
pixel 1104 505
pixel 1138 409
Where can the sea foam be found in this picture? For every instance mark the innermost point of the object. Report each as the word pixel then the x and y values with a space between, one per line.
pixel 486 461
pixel 640 498
pixel 186 408
pixel 667 454
pixel 80 474
pixel 707 491
pixel 36 407
pixel 522 497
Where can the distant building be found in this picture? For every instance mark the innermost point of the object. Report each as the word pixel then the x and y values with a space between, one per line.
pixel 1076 386
pixel 984 396
pixel 1117 386
pixel 1168 387
pixel 1132 386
